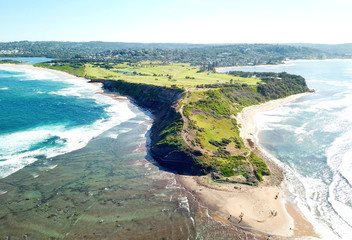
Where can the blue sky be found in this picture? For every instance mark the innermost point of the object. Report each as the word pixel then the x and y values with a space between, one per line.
pixel 192 21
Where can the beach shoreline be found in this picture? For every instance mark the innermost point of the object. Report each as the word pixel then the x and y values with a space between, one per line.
pixel 30 66
pixel 263 210
pixel 68 75
pixel 226 69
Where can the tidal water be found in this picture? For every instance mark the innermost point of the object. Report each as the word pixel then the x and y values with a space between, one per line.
pixel 74 164
pixel 45 114
pixel 28 60
pixel 311 138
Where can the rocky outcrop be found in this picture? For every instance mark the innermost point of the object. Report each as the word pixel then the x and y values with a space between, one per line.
pixel 161 101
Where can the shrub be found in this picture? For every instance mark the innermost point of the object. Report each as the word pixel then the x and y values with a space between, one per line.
pixel 227 171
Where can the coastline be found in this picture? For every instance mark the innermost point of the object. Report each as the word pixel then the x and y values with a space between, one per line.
pixel 246 116
pixel 101 91
pixel 225 69
pixel 30 66
pixel 264 210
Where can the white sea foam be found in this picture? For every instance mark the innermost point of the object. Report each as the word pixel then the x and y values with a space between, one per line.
pixel 346 165
pixel 13 143
pixel 15 163
pixel 319 168
pixel 302 130
pixel 339 155
pixel 273 119
pixel 2 192
pixel 332 104
pixel 308 194
pixel 340 200
pixel 311 194
pixel 31 74
pixel 4 88
pixel 114 135
pixel 183 203
pixel 330 218
pixel 327 206
pixel 15 148
pixel 35 175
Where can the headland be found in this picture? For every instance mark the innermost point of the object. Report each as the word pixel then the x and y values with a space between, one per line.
pixel 241 197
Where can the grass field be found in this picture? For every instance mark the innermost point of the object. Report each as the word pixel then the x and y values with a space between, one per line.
pixel 212 129
pixel 208 123
pixel 203 112
pixel 182 75
pixel 154 73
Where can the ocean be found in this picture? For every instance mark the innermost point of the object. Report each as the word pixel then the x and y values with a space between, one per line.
pixel 311 138
pixel 28 60
pixel 74 164
pixel 46 114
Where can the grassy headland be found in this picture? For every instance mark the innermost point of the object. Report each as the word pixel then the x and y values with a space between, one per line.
pixel 195 128
pixel 10 61
pixel 147 72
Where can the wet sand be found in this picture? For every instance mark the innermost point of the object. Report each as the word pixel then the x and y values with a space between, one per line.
pixel 263 209
pixel 101 91
pixel 258 207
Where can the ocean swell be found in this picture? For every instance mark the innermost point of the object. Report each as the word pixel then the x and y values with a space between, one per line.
pixel 20 148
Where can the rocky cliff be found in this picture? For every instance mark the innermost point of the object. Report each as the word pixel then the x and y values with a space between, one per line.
pixel 166 146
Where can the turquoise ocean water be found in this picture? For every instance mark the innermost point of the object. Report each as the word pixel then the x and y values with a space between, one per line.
pixel 311 138
pixel 74 164
pixel 45 114
pixel 28 60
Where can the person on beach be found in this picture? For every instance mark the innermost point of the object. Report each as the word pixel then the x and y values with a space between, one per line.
pixel 241 217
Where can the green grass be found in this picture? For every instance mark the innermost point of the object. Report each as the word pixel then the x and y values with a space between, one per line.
pixel 211 127
pixel 75 69
pixel 154 73
pixel 214 129
pixel 10 61
pixel 259 165
pixel 182 75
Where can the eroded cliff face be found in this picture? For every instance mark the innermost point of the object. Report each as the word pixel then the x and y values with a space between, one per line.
pixel 166 147
pixel 153 98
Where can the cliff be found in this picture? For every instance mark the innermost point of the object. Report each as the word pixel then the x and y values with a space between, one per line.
pixel 196 131
pixel 166 147
pixel 195 128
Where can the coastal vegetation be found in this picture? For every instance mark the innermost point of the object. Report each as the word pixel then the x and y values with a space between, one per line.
pixel 10 61
pixel 195 129
pixel 208 56
pixel 149 72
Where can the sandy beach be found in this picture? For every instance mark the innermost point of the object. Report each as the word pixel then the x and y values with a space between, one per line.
pixel 263 209
pixel 246 116
pixel 29 66
pixel 226 69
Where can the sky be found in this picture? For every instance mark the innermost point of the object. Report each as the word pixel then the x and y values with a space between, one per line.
pixel 177 21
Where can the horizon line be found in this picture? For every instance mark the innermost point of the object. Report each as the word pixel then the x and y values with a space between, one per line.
pixel 189 43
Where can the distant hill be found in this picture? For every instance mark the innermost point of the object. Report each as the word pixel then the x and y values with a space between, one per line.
pixel 208 55
pixel 341 49
pixel 215 56
pixel 53 49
